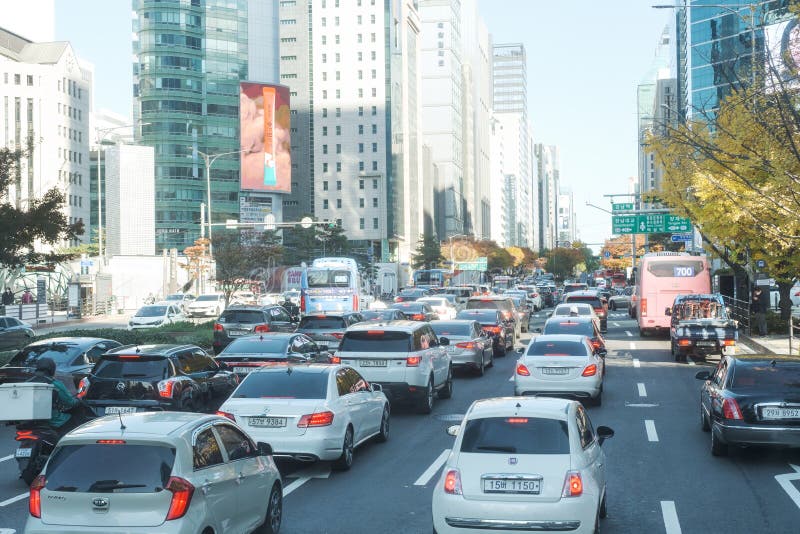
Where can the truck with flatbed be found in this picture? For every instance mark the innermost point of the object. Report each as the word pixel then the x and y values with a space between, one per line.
pixel 700 326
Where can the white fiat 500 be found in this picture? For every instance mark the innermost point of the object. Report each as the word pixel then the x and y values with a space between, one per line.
pixel 561 365
pixel 523 464
pixel 310 413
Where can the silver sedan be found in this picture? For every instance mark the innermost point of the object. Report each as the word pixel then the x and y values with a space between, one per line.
pixel 469 347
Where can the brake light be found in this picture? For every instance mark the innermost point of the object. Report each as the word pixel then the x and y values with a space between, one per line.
pixel 600 311
pixel 262 328
pixel 355 302
pixel 517 420
pixel 35 501
pixel 182 492
pixel 589 370
pixel 302 303
pixel 316 419
pixel 573 484
pixel 83 387
pixel 417 317
pixel 398 299
pixel 522 370
pixel 218 328
pixel 166 388
pixel 111 441
pixel 492 329
pixel 334 359
pixel 226 414
pixel 452 482
pixel 413 361
pixel 128 357
pixel 730 409
pixel 465 345
pixel 596 343
pixel 684 342
pixel 643 307
pixel 729 342
pixel 22 435
pixel 337 335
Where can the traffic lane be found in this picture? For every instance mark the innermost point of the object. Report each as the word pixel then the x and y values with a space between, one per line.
pixel 13 491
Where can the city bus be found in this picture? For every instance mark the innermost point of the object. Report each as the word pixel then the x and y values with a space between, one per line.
pixel 661 276
pixel 431 277
pixel 330 285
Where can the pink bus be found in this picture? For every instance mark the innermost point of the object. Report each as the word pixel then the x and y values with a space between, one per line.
pixel 661 276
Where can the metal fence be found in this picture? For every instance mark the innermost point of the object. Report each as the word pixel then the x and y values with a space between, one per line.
pixel 740 311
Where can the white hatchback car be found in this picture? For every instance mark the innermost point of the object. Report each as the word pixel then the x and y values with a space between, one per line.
pixel 561 365
pixel 155 315
pixel 155 472
pixel 309 413
pixel 523 464
pixel 211 304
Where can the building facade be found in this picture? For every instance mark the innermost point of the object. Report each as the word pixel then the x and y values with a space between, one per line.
pixel 129 200
pixel 548 182
pixel 567 229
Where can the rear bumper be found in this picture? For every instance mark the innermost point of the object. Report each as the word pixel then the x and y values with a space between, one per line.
pixel 467 359
pixel 579 388
pixel 778 436
pixel 184 525
pixel 401 391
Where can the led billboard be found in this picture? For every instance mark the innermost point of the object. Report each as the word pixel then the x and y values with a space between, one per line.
pixel 264 133
pixel 783 55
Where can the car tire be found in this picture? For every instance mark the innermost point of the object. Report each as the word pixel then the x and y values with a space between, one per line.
pixel 704 426
pixel 717 447
pixel 447 389
pixel 491 359
pixel 597 401
pixel 345 461
pixel 481 369
pixel 425 404
pixel 383 433
pixel 603 508
pixel 274 515
pixel 613 306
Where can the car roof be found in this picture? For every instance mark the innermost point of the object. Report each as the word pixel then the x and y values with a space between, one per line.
pixel 545 407
pixel 70 341
pixel 269 335
pixel 456 322
pixel 489 297
pixel 571 304
pixel 143 424
pixel 755 359
pixel 706 296
pixel 249 307
pixel 584 293
pixel 163 349
pixel 398 326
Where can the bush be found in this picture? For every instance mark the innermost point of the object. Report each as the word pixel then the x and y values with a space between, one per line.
pixel 189 333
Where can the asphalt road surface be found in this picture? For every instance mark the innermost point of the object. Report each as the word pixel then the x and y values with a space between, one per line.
pixel 661 475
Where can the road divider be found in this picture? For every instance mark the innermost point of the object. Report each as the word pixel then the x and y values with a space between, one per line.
pixel 650 428
pixel 670 516
pixel 425 477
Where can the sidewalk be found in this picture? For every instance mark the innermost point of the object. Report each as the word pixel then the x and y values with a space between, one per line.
pixel 61 319
pixel 772 344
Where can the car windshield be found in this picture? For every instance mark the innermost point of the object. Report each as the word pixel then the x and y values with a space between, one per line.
pixel 112 468
pixel 152 311
pixel 256 345
pixel 515 435
pixel 174 297
pixel 132 366
pixel 241 317
pixel 556 348
pixel 61 353
pixel 700 309
pixel 283 385
pixel 568 327
pixel 452 329
pixel 327 278
pixel 322 322
pixel 780 377
pixel 207 298
pixel 376 341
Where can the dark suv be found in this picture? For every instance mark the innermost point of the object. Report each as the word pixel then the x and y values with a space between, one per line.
pixel 503 304
pixel 328 328
pixel 238 321
pixel 595 300
pixel 137 378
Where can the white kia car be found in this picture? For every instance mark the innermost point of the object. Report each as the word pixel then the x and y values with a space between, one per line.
pixel 523 464
pixel 155 315
pixel 206 305
pixel 310 413
pixel 561 365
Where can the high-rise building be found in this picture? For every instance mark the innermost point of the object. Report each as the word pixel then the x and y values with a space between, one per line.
pixel 548 184
pixel 499 211
pixel 567 231
pixel 45 101
pixel 129 200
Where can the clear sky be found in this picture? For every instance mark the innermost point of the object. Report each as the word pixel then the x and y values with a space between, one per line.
pixel 585 59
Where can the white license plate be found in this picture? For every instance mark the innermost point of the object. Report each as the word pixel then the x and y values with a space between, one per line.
pixel 555 370
pixel 373 363
pixel 510 485
pixel 120 409
pixel 780 413
pixel 244 370
pixel 267 422
pixel 237 332
pixel 706 343
pixel 23 453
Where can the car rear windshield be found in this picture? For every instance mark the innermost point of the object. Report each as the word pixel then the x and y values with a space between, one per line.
pixel 376 341
pixel 132 367
pixel 568 327
pixel 556 348
pixel 565 310
pixel 322 322
pixel 207 298
pixel 60 353
pixel 409 307
pixel 151 311
pixel 452 329
pixel 675 268
pixel 241 317
pixel 487 304
pixel 569 288
pixel 283 385
pixel 593 301
pixel 255 345
pixel 764 376
pixel 327 278
pixel 482 316
pixel 516 435
pixel 372 315
pixel 117 468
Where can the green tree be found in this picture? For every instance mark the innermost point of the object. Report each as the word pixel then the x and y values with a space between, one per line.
pixel 561 261
pixel 334 240
pixel 428 254
pixel 234 263
pixel 41 221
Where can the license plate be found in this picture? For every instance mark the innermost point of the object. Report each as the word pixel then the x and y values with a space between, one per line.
pixel 23 453
pixel 120 409
pixel 780 413
pixel 510 485
pixel 243 370
pixel 373 363
pixel 555 370
pixel 267 422
pixel 706 343
pixel 237 332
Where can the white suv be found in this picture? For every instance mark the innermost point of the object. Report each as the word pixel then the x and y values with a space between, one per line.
pixel 406 358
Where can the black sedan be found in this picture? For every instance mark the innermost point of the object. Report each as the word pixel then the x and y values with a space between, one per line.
pixel 416 311
pixel 14 333
pixel 492 322
pixel 247 354
pixel 751 399
pixel 74 358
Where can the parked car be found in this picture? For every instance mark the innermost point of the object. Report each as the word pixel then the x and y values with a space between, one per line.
pixel 248 298
pixel 380 316
pixel 155 315
pixel 580 326
pixel 14 333
pixel 311 413
pixel 470 347
pixel 751 399
pixel 157 472
pixel 181 300
pixel 206 305
pixel 499 330
pixel 238 321
pixel 136 378
pixel 249 353
pixel 73 356
pixel 416 311
pixel 594 299
pixel 562 366
pixel 442 307
pixel 327 329
pixel 406 358
pixel 523 464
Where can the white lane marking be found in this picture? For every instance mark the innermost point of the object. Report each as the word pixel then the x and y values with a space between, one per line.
pixel 617 324
pixel 425 477
pixel 628 333
pixel 633 345
pixel 294 485
pixel 650 426
pixel 14 499
pixel 4 458
pixel 640 405
pixel 671 522
pixel 7 531
pixel 690 361
pixel 642 389
pixel 636 362
pixel 316 471
pixel 785 481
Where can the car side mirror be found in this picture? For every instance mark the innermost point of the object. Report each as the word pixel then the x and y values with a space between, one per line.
pixel 601 352
pixel 521 350
pixel 453 430
pixel 703 375
pixel 604 433
pixel 376 387
pixel 264 449
pixel 537 330
pixel 668 311
pixel 443 341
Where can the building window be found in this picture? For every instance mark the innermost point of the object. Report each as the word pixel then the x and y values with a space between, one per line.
pixel 360 111
pixel 324 22
pixel 361 75
pixel 360 38
pixel 30 80
pixel 324 130
pixel 339 203
pixel 325 185
pixel 325 203
pixel 374 184
pixel 374 147
pixel 360 202
pixel 375 128
pixel 338 148
pixel 336 21
pixel 361 129
pixel 324 112
pixel 360 165
pixel 325 167
pixel 361 223
pixel 324 76
pixel 372 19
pixel 361 56
pixel 324 149
pixel 338 40
pixel 374 165
pixel 324 94
pixel 338 57
pixel 360 147
pixel 374 74
pixel 338 112
pixel 338 222
pixel 372 37
pixel 375 223
pixel 338 185
pixel 16 79
pixel 375 202
pixel 360 19
pixel 361 184
pixel 324 39
pixel 338 130
pixel 374 55
pixel 374 92
pixel 374 110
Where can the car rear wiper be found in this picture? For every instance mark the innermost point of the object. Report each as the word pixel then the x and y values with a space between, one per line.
pixel 132 375
pixel 498 448
pixel 106 486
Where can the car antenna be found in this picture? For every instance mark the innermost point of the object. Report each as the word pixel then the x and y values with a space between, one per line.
pixel 289 370
pixel 121 424
pixel 138 350
pixel 772 363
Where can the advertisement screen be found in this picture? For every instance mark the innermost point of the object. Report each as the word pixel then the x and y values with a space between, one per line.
pixel 783 55
pixel 264 132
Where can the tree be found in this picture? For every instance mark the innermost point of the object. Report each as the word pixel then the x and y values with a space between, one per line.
pixel 561 261
pixel 43 222
pixel 619 249
pixel 300 245
pixel 234 263
pixel 197 259
pixel 427 254
pixel 333 239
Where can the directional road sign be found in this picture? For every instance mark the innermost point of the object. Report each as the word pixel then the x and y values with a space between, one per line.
pixel 649 223
pixel 628 206
pixel 606 254
pixel 681 237
pixel 623 224
pixel 677 224
pixel 480 264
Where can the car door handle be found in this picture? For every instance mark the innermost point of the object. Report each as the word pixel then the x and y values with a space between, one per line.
pixel 205 487
pixel 239 478
pixel 600 464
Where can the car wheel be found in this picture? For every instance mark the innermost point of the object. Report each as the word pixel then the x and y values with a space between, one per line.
pixel 272 520
pixel 491 359
pixel 425 405
pixel 597 401
pixel 603 509
pixel 704 426
pixel 481 369
pixel 613 307
pixel 383 433
pixel 345 461
pixel 717 447
pixel 447 390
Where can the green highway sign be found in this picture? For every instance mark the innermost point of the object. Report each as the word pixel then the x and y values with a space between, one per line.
pixel 623 224
pixel 677 224
pixel 480 264
pixel 622 207
pixel 649 223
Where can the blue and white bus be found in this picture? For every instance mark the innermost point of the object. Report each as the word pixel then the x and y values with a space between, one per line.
pixel 330 285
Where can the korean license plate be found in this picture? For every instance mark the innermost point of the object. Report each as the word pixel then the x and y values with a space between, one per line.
pixel 780 413
pixel 244 370
pixel 267 422
pixel 23 453
pixel 511 485
pixel 555 370
pixel 237 332
pixel 120 409
pixel 706 343
pixel 372 363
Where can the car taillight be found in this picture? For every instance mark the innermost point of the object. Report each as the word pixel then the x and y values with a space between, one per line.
pixel 492 329
pixel 413 361
pixel 596 343
pixel 23 435
pixel 729 342
pixel 182 491
pixel 83 387
pixel 316 419
pixel 573 485
pixel 465 345
pixel 730 409
pixel 522 370
pixel 684 342
pixel 111 441
pixel 452 482
pixel 398 299
pixel 261 329
pixel 218 328
pixel 302 303
pixel 337 335
pixel 417 317
pixel 600 311
pixel 355 302
pixel 35 501
pixel 334 359
pixel 167 387
pixel 643 307
pixel 589 370
pixel 226 414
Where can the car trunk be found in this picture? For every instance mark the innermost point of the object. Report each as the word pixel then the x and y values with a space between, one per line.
pixel 128 377
pixel 380 366
pixel 774 408
pixel 552 468
pixel 272 417
pixel 555 368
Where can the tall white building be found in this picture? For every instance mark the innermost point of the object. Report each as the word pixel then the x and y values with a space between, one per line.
pixel 499 211
pixel 548 184
pixel 45 101
pixel 566 231
pixel 129 200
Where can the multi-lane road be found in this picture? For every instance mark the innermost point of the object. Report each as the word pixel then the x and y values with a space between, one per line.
pixel 662 477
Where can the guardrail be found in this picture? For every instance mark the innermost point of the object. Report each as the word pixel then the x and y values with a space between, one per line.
pixel 740 311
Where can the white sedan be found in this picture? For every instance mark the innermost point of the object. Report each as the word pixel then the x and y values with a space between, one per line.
pixel 310 413
pixel 212 304
pixel 523 464
pixel 441 306
pixel 155 315
pixel 561 365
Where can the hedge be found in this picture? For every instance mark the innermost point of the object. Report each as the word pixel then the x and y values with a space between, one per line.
pixel 185 332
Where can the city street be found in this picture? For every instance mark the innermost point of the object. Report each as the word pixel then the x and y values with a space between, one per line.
pixel 662 477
